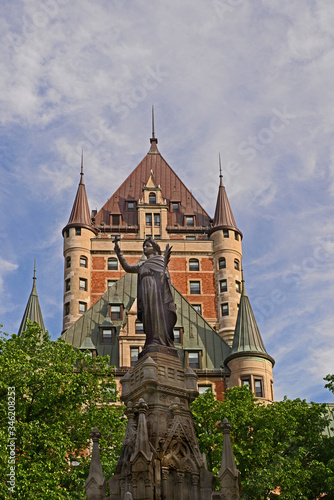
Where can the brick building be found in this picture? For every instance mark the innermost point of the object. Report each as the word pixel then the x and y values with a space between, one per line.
pixel 216 333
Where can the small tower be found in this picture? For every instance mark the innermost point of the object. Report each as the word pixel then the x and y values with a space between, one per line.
pixel 77 266
pixel 249 362
pixel 33 310
pixel 227 255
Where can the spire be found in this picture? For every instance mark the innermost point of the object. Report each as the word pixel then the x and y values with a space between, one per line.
pixel 153 140
pixel 228 474
pixel 223 213
pixel 80 215
pixel 33 310
pixel 247 338
pixel 95 483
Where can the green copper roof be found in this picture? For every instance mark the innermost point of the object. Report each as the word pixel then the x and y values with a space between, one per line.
pixel 247 338
pixel 33 310
pixel 197 333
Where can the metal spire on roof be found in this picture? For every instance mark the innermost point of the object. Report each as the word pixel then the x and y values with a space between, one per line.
pixel 153 140
pixel 34 280
pixel 220 171
pixel 33 310
pixel 82 172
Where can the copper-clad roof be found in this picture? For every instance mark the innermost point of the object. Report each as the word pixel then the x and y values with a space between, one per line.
pixel 172 189
pixel 247 338
pixel 80 215
pixel 33 310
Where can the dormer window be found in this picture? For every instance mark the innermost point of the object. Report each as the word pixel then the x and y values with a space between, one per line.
pixel 131 205
pixel 115 220
pixel 190 220
pixel 116 312
pixel 226 233
pixel 78 231
pixel 175 206
pixel 152 199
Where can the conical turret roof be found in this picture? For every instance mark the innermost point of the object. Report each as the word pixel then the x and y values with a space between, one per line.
pixel 33 310
pixel 223 217
pixel 247 338
pixel 80 215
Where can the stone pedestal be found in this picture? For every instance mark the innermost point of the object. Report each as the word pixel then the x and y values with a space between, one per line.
pixel 160 458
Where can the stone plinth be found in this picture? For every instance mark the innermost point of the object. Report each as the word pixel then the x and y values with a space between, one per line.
pixel 160 458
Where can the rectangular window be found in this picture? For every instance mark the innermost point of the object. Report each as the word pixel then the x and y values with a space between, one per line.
pixel 197 307
pixel 223 286
pixel 107 336
pixel 115 220
pixel 236 235
pixel 67 308
pixel 175 207
pixel 83 262
pixel 195 287
pixel 139 328
pixel 67 233
pixel 134 352
pixel 112 264
pixel 177 335
pixel 115 312
pixel 83 284
pixel 222 263
pixel 68 262
pixel 82 307
pixel 131 206
pixel 68 285
pixel 246 381
pixel 190 220
pixel 148 219
pixel 258 388
pixel 78 231
pixel 193 359
pixel 157 219
pixel 111 283
pixel 224 308
pixel 238 286
pixel 193 265
pixel 236 264
pixel 203 388
pixel 190 237
pixel 226 233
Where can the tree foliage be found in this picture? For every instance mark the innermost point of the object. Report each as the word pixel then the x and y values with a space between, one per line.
pixel 60 395
pixel 280 445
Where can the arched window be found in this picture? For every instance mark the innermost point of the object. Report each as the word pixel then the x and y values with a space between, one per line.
pixel 193 265
pixel 222 263
pixel 112 264
pixel 236 264
pixel 83 261
pixel 152 198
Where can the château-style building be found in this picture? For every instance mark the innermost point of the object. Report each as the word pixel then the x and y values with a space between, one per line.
pixel 216 333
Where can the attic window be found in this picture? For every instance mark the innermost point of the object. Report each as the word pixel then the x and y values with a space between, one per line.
pixel 152 199
pixel 175 206
pixel 78 231
pixel 190 222
pixel 116 312
pixel 194 359
pixel 115 220
pixel 236 235
pixel 131 206
pixel 178 335
pixel 67 233
pixel 226 233
pixel 107 335
pixel 139 328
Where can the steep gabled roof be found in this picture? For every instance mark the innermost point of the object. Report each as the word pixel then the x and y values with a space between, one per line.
pixel 172 189
pixel 223 214
pixel 33 310
pixel 197 333
pixel 80 215
pixel 247 339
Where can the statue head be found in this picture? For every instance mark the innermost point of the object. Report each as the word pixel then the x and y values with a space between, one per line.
pixel 155 246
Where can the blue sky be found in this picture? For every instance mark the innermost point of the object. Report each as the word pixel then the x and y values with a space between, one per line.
pixel 251 80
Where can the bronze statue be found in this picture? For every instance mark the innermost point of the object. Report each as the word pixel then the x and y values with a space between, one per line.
pixel 155 303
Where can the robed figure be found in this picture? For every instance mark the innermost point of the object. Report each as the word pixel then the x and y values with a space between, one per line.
pixel 155 303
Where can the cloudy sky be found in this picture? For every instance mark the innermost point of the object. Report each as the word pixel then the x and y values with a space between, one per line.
pixel 251 80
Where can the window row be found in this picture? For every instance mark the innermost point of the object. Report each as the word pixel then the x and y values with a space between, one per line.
pixel 254 384
pixel 77 232
pixel 156 219
pixel 82 308
pixel 222 264
pixel 82 284
pixel 152 200
pixel 226 233
pixel 83 261
pixel 223 286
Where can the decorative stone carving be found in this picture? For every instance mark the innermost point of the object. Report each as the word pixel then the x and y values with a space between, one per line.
pixel 95 484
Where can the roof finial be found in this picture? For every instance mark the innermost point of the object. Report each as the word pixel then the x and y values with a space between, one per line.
pixel 153 131
pixel 220 171
pixel 34 279
pixel 153 140
pixel 243 290
pixel 34 270
pixel 82 172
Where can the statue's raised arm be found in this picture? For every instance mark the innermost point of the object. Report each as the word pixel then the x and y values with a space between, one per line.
pixel 155 302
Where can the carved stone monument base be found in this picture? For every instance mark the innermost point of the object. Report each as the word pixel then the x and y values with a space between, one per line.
pixel 160 458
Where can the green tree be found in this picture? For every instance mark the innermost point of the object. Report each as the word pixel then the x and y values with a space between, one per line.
pixel 60 395
pixel 278 445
